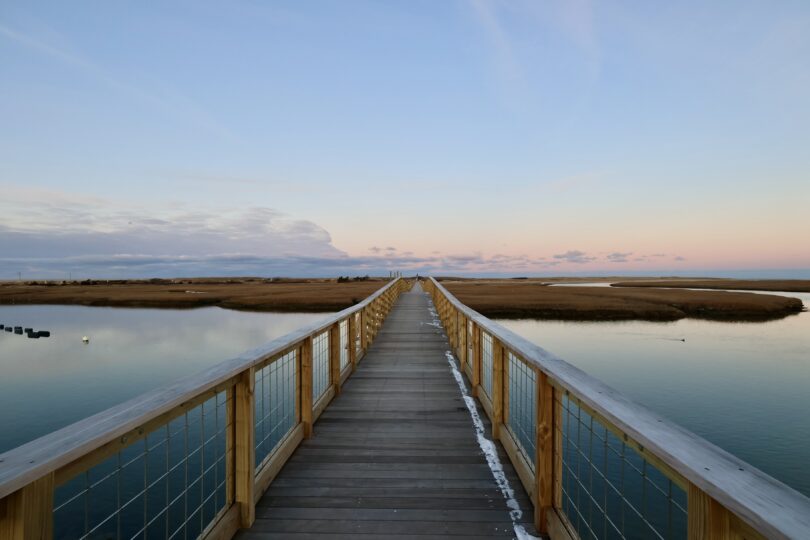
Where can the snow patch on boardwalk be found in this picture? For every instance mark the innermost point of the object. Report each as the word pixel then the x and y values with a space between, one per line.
pixel 487 446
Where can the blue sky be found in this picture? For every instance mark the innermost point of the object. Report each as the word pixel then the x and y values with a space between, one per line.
pixel 355 137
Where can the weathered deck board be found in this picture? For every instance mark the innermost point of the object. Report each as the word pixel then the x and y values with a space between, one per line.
pixel 395 455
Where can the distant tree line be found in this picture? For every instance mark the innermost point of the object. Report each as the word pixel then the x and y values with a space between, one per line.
pixel 347 279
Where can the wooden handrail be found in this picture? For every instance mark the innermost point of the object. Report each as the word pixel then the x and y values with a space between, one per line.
pixel 770 507
pixel 34 460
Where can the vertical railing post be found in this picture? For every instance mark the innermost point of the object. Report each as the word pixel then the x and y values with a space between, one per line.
pixel 305 352
pixel 364 324
pixel 707 519
pixel 244 447
pixel 476 365
pixel 352 341
pixel 462 346
pixel 497 387
pixel 27 514
pixel 334 356
pixel 557 477
pixel 544 451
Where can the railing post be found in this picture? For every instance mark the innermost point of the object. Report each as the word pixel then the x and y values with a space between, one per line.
pixel 707 519
pixel 306 386
pixel 557 425
pixel 364 328
pixel 334 356
pixel 462 346
pixel 497 387
pixel 544 452
pixel 27 514
pixel 245 448
pixel 352 341
pixel 476 365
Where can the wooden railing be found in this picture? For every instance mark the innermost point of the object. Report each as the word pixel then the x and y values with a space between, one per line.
pixel 597 465
pixel 191 459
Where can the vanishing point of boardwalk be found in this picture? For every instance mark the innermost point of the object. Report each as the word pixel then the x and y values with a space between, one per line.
pixel 395 455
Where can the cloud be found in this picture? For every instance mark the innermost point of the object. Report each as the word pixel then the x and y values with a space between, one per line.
pixel 618 257
pixel 41 228
pixel 574 256
pixel 487 16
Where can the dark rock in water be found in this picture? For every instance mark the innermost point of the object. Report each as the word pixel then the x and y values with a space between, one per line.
pixel 27 330
pixel 44 333
pixel 8 329
pixel 2 326
pixel 33 335
pixel 18 330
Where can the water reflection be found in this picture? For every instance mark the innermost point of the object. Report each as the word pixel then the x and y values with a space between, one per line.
pixel 49 383
pixel 743 386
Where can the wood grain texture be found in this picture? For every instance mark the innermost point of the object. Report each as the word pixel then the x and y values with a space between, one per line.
pixel 42 456
pixel 770 507
pixel 245 447
pixel 544 452
pixel 26 514
pixel 395 455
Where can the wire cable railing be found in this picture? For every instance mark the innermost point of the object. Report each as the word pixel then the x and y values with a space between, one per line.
pixel 598 466
pixel 189 460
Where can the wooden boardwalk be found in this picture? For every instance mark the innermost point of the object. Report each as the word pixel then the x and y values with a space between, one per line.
pixel 395 456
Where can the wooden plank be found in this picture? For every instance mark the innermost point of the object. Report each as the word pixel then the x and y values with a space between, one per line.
pixel 707 519
pixel 305 397
pixel 396 451
pixel 334 357
pixel 544 455
pixel 352 344
pixel 225 527
pixel 769 506
pixel 557 530
pixel 486 404
pixel 244 447
pixel 322 403
pixel 270 469
pixel 27 513
pixel 230 447
pixel 476 369
pixel 521 466
pixel 558 450
pixel 497 388
pixel 34 460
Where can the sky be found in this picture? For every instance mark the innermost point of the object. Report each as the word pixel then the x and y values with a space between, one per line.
pixel 473 137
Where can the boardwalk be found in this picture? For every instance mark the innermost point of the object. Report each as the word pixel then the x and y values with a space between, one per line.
pixel 395 456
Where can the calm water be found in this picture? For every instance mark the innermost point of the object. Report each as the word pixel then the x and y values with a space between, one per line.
pixel 742 386
pixel 48 383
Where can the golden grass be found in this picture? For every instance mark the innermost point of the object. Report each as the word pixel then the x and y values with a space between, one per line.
pixel 783 285
pixel 242 294
pixel 532 299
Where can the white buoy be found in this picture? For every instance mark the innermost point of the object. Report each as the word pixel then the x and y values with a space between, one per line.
pixel 85 339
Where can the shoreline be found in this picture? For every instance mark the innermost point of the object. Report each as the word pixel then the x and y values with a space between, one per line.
pixel 509 299
pixel 240 294
pixel 634 299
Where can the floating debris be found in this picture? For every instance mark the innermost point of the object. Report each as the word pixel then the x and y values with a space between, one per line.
pixel 85 339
